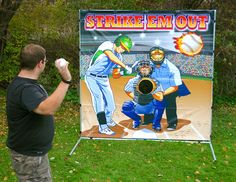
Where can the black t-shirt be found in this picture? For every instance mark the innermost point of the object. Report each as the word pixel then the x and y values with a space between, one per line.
pixel 28 132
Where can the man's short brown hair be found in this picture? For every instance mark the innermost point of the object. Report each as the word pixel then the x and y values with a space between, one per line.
pixel 30 56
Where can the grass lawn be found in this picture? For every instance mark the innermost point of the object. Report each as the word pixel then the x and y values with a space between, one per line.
pixel 107 160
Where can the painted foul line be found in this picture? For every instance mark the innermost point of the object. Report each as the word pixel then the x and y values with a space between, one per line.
pixel 198 133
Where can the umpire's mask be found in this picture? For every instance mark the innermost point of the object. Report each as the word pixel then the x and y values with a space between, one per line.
pixel 157 55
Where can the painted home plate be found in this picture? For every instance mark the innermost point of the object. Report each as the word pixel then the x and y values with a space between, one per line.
pixel 145 133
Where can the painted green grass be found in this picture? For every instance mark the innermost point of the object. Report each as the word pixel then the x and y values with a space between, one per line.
pixel 107 160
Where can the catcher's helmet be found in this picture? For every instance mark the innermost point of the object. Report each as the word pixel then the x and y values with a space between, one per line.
pixel 157 55
pixel 124 41
pixel 144 63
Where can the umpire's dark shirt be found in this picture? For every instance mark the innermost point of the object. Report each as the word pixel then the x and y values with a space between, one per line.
pixel 28 133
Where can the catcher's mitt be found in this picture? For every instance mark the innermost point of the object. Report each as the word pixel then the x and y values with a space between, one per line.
pixel 116 73
pixel 146 86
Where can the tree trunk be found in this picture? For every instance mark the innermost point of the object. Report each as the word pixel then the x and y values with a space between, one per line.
pixel 7 10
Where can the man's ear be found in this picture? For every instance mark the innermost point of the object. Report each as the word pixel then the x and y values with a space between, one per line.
pixel 40 64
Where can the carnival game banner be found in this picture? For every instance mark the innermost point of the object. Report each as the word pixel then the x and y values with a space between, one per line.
pixel 146 75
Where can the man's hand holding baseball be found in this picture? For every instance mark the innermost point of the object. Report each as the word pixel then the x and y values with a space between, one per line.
pixel 62 66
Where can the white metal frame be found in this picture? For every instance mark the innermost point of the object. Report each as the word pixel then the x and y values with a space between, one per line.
pixel 187 141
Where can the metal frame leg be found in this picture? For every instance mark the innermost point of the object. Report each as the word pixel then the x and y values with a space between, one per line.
pixel 77 143
pixel 212 151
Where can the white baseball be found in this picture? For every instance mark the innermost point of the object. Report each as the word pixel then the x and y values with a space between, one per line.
pixel 61 62
pixel 192 43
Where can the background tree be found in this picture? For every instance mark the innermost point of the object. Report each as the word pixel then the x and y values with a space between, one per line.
pixel 50 24
pixel 7 11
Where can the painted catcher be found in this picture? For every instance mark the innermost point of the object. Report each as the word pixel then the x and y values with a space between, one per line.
pixel 143 90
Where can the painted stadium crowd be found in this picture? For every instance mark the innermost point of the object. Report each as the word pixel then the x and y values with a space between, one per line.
pixel 199 65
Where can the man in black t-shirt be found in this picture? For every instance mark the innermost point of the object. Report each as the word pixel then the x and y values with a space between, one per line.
pixel 30 115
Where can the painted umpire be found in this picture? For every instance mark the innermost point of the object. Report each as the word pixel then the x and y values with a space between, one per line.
pixel 169 77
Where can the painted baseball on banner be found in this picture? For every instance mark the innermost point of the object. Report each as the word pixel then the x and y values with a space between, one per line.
pixel 189 44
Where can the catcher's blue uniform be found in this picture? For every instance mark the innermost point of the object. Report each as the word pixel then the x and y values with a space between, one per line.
pixel 133 108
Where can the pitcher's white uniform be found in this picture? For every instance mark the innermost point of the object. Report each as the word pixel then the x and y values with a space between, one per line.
pixel 96 79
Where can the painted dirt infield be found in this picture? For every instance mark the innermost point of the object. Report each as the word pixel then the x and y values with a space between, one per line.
pixel 194 113
pixel 121 129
